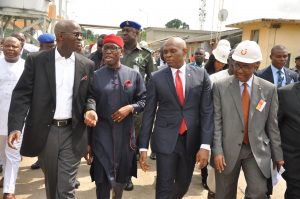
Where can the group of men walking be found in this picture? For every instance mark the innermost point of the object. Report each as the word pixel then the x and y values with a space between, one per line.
pixel 60 106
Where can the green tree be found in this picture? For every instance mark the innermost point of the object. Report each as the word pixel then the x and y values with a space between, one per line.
pixel 177 24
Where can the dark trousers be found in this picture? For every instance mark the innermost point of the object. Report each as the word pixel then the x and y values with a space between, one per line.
pixel 59 163
pixel 292 187
pixel 204 174
pixel 103 184
pixel 174 171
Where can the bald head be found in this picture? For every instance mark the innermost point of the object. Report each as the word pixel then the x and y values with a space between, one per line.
pixel 174 52
pixel 278 48
pixel 65 26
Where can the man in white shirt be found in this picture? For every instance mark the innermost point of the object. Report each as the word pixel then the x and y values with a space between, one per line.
pixel 11 68
pixel 51 95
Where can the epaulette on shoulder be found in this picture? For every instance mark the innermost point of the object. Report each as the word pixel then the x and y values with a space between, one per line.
pixel 147 49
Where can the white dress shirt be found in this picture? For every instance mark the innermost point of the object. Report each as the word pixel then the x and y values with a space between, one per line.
pixel 64 79
pixel 249 84
pixel 9 76
pixel 275 75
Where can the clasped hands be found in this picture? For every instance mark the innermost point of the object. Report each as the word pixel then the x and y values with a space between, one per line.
pixel 91 118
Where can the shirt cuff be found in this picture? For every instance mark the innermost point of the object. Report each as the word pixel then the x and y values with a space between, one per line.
pixel 205 146
pixel 143 149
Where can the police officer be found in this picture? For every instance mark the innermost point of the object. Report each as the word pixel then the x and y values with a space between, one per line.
pixel 136 57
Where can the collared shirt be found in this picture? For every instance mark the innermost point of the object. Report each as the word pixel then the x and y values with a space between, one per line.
pixel 183 80
pixel 275 75
pixel 64 79
pixel 181 75
pixel 249 84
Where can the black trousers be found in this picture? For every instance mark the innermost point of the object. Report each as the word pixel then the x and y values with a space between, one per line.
pixel 174 171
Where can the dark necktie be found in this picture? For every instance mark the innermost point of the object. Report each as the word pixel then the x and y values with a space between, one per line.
pixel 280 78
pixel 179 90
pixel 246 105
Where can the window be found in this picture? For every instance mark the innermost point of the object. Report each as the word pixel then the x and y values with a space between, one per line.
pixel 254 35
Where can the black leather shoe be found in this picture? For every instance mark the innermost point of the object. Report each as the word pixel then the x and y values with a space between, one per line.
pixel 211 195
pixel 35 165
pixel 77 184
pixel 129 186
pixel 205 185
pixel 153 156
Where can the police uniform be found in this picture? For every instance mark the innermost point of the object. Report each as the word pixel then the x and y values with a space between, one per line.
pixel 140 59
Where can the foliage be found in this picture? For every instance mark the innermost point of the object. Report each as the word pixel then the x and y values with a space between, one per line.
pixel 177 24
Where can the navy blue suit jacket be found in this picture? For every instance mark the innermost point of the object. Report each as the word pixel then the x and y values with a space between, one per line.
pixel 267 74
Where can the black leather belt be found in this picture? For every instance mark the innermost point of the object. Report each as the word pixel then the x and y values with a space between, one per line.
pixel 62 123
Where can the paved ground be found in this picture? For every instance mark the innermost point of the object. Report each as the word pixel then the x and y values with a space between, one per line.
pixel 30 184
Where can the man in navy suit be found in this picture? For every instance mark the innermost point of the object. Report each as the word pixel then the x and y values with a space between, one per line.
pixel 179 98
pixel 276 73
pixel 279 75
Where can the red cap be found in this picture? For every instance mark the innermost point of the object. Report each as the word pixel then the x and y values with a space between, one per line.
pixel 114 39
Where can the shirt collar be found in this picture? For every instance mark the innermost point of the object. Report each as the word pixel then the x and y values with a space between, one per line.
pixel 58 56
pixel 182 69
pixel 274 69
pixel 249 82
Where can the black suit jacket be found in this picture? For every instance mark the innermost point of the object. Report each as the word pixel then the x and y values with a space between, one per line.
pixel 34 98
pixel 289 122
pixel 267 74
pixel 163 104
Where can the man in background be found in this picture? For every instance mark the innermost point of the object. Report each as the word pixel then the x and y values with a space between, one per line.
pixel 276 73
pixel 199 58
pixel 297 65
pixel 96 56
pixel 11 68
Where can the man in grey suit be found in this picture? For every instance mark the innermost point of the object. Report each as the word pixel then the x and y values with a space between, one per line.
pixel 50 97
pixel 179 97
pixel 246 131
pixel 289 122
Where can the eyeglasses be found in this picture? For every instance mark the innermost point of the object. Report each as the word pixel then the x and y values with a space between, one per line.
pixel 75 34
pixel 111 48
pixel 242 66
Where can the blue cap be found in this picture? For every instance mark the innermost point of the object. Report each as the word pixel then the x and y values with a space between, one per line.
pixel 132 24
pixel 46 38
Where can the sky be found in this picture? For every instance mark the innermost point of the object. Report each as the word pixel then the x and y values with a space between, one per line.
pixel 156 13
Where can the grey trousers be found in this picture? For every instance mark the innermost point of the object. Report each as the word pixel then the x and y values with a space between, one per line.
pixel 226 185
pixel 59 164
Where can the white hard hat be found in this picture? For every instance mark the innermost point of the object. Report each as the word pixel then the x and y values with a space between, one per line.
pixel 224 42
pixel 221 53
pixel 247 52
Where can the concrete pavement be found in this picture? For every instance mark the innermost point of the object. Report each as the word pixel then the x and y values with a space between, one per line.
pixel 30 184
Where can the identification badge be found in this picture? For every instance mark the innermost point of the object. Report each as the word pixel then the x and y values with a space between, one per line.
pixel 261 105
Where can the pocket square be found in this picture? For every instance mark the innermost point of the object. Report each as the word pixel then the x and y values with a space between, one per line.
pixel 84 78
pixel 127 84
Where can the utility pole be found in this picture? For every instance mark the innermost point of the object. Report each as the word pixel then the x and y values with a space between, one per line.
pixel 202 13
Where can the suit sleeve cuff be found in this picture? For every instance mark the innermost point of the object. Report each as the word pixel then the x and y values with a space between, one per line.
pixel 205 146
pixel 143 149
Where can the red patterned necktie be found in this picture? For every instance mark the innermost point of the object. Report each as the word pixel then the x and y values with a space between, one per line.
pixel 179 90
pixel 246 106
